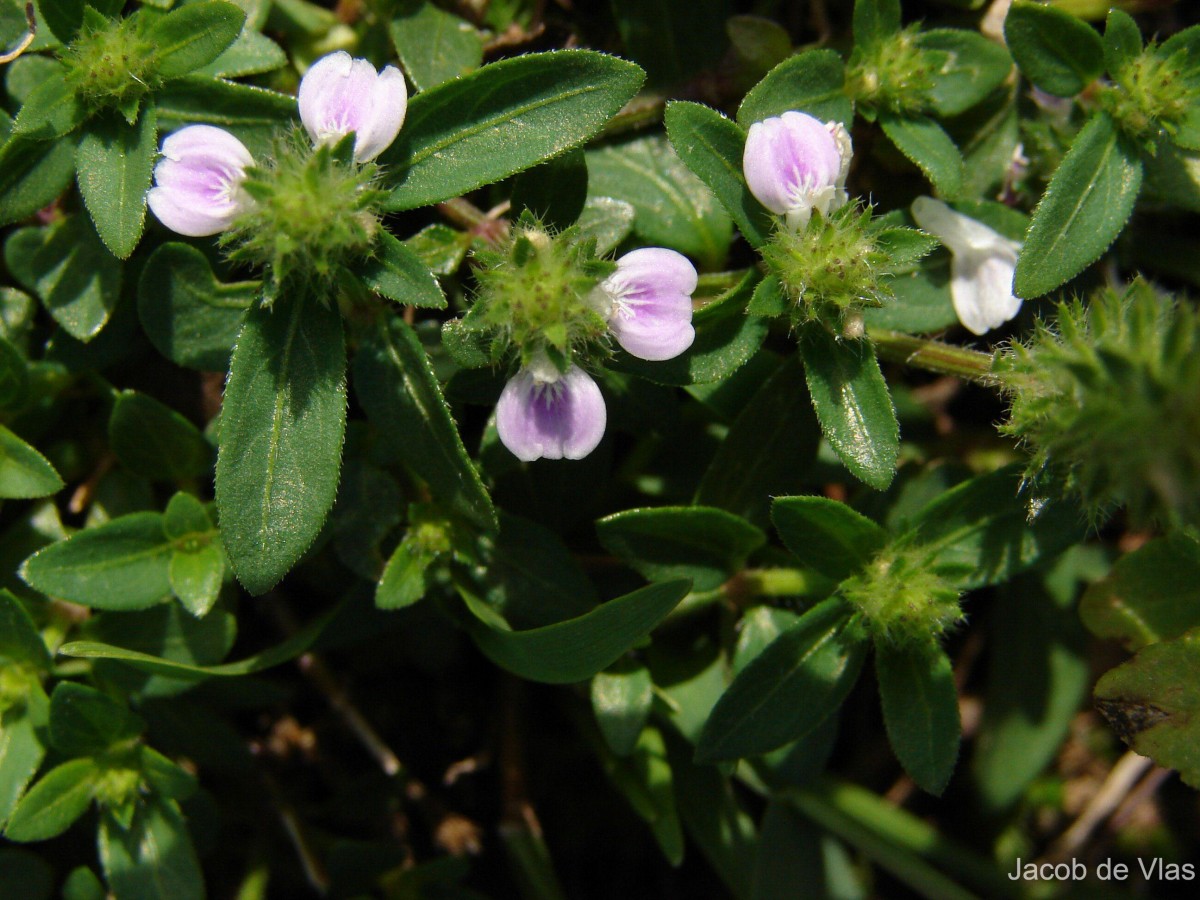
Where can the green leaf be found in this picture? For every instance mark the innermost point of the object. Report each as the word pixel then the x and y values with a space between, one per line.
pixel 440 248
pixel 1122 40
pixel 920 710
pixel 1152 594
pixel 193 36
pixel 167 779
pixel 64 18
pixel 852 403
pixel 78 280
pixel 672 39
pixel 725 340
pixel 532 578
pixel 14 375
pixel 121 564
pixel 701 543
pixel 191 318
pixel 1038 674
pixel 32 174
pixel 759 43
pixel 578 648
pixel 768 450
pixel 607 220
pixel 186 517
pixel 1153 703
pixel 812 82
pixel 1088 202
pixel 827 535
pixel 875 21
pixel 52 805
pixel 1056 51
pixel 403 580
pixel 51 110
pixel 85 722
pixel 153 859
pixel 399 274
pixel 24 473
pixel 711 146
pixel 674 208
pixel 282 425
pixel 502 119
pixel 253 114
pixel 788 689
pixel 20 641
pixel 82 884
pixel 395 382
pixel 196 578
pixel 927 145
pixel 789 853
pixel 768 300
pixel 251 54
pixel 168 668
pixel 115 161
pixel 621 700
pixel 554 191
pixel 434 45
pixel 156 442
pixel 983 532
pixel 974 67
pixel 21 750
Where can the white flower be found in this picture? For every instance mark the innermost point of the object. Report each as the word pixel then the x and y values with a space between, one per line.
pixel 339 94
pixel 982 263
pixel 648 302
pixel 795 164
pixel 544 413
pixel 198 182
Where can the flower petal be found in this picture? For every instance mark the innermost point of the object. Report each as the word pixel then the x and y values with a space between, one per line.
pixel 340 94
pixel 198 180
pixel 563 419
pixel 981 289
pixel 651 313
pixel 792 164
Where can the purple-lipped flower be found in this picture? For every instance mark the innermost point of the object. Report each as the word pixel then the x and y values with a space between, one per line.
pixel 795 164
pixel 544 413
pixel 647 302
pixel 340 94
pixel 198 182
pixel 982 263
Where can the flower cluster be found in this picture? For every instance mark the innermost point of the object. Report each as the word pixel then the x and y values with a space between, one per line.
pixel 547 297
pixel 202 184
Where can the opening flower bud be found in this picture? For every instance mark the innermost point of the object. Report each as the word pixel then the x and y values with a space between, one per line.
pixel 339 95
pixel 795 164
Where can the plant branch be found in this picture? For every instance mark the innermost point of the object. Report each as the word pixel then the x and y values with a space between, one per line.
pixel 933 356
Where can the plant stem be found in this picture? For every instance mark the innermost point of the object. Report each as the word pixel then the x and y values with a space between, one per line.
pixel 751 583
pixel 933 356
pixel 900 842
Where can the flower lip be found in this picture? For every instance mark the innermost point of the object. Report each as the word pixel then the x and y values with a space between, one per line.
pixel 794 163
pixel 650 303
pixel 545 414
pixel 197 189
pixel 340 94
pixel 982 263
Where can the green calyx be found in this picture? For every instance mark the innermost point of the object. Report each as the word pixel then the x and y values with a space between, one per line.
pixel 899 600
pixel 539 293
pixel 830 270
pixel 120 778
pixel 895 74
pixel 17 680
pixel 110 65
pixel 315 210
pixel 1151 93
pixel 1105 399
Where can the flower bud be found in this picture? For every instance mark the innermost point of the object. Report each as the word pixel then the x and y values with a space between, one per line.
pixel 544 413
pixel 339 95
pixel 982 263
pixel 795 164
pixel 198 183
pixel 648 303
